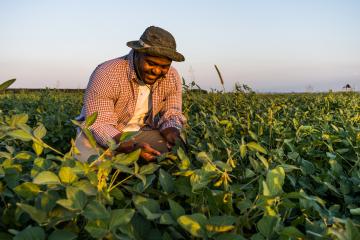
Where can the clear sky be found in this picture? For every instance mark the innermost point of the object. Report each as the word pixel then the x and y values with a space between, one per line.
pixel 270 45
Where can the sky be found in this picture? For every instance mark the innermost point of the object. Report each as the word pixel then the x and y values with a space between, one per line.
pixel 269 45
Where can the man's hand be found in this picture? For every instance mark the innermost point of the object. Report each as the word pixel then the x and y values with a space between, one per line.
pixel 170 134
pixel 147 152
pixel 127 147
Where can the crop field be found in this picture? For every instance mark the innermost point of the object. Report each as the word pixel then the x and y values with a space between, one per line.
pixel 258 166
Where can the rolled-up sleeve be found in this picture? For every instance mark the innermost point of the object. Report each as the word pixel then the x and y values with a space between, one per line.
pixel 100 97
pixel 172 111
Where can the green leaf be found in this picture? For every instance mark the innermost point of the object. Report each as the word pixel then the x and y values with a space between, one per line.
pixel 67 175
pixel 249 173
pixel 67 203
pixel 150 215
pixel 76 123
pixel 256 147
pixel 229 236
pixel 90 137
pixel 47 200
pixel 243 205
pixel 90 119
pixel 292 232
pixel 200 179
pixel 46 177
pixel 257 236
pixel 6 84
pixel 275 180
pixel 307 167
pixel 76 199
pixel 355 211
pixel 166 219
pixel 148 169
pixel 223 166
pixel 263 160
pixel 141 203
pixel 222 220
pixel 243 150
pixel 95 210
pixel 194 224
pixel 352 232
pixel 184 160
pixel 203 157
pixel 5 236
pixel 255 164
pixel 123 168
pixel 146 181
pixel 86 187
pixel 40 131
pixel 24 155
pixel 31 233
pixel 125 136
pixel 18 119
pixel 127 159
pixel 142 178
pixel 267 225
pixel 97 229
pixel 176 209
pixel 5 155
pixel 27 190
pixel 20 134
pixel 2 173
pixel 166 181
pixel 120 217
pixel 221 224
pixel 289 167
pixel 117 194
pixel 38 148
pixel 36 214
pixel 62 235
pixel 253 135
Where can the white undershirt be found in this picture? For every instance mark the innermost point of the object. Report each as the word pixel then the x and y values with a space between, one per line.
pixel 142 108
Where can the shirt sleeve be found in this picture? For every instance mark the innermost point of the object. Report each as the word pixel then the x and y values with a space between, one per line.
pixel 172 111
pixel 100 97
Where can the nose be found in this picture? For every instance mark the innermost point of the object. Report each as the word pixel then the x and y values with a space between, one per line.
pixel 156 70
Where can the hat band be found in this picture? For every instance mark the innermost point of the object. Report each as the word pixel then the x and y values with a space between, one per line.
pixel 144 44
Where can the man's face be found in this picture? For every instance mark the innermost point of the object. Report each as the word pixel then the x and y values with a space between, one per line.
pixel 152 68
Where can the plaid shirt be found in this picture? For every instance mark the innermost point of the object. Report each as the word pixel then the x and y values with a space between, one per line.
pixel 113 90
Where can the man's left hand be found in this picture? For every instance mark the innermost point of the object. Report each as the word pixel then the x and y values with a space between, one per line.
pixel 170 134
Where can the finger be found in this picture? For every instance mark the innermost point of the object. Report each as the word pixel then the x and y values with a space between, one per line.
pixel 147 156
pixel 151 150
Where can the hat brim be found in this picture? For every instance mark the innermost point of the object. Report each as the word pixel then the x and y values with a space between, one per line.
pixel 157 51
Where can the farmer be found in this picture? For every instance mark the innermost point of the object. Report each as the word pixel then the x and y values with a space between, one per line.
pixel 140 92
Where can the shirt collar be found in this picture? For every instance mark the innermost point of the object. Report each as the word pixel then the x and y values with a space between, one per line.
pixel 132 73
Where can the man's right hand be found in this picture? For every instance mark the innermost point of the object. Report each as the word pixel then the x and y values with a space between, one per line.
pixel 147 152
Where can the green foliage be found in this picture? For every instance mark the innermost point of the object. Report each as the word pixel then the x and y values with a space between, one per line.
pixel 256 167
pixel 6 84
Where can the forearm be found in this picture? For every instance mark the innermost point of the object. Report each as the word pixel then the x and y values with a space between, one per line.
pixel 103 133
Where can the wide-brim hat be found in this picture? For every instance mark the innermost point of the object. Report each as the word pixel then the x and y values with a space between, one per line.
pixel 157 42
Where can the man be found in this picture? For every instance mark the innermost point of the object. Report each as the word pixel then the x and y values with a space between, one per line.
pixel 139 92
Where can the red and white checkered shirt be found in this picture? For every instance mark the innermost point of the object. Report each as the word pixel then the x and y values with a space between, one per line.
pixel 112 91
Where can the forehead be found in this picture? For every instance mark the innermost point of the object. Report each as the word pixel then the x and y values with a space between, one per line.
pixel 157 60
